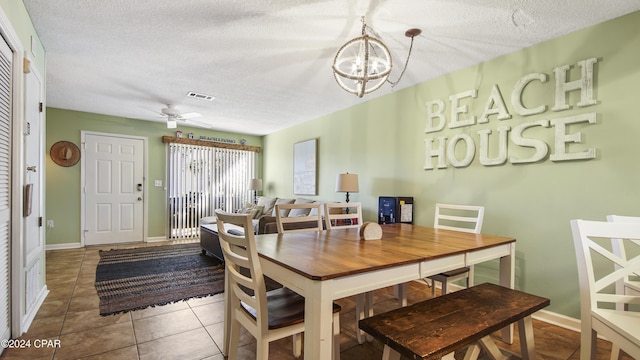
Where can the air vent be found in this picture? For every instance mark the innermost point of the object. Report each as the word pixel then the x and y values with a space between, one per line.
pixel 196 95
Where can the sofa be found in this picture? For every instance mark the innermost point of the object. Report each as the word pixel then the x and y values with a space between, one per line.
pixel 264 222
pixel 264 213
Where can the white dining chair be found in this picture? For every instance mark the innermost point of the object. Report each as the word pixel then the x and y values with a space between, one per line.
pixel 300 217
pixel 268 316
pixel 626 285
pixel 599 270
pixel 466 218
pixel 342 215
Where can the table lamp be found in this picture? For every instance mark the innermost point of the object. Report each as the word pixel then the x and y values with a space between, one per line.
pixel 255 185
pixel 347 183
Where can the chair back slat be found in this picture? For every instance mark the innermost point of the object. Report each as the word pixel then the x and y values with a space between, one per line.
pixel 466 218
pixel 343 219
pixel 313 217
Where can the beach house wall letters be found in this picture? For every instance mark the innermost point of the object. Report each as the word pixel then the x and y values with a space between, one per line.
pixel 460 149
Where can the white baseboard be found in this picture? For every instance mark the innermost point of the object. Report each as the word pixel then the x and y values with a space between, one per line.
pixel 156 239
pixel 63 246
pixel 78 245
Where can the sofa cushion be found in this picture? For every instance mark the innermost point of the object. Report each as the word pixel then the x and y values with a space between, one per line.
pixel 300 212
pixel 208 220
pixel 254 210
pixel 268 203
pixel 282 201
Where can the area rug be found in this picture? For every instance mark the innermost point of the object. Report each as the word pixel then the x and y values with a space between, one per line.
pixel 132 279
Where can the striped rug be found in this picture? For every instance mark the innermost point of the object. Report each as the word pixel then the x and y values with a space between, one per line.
pixel 132 279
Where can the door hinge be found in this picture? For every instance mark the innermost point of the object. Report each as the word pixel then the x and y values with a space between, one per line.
pixel 40 221
pixel 41 107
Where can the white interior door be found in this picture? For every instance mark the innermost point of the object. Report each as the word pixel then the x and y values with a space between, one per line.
pixel 114 188
pixel 5 189
pixel 33 264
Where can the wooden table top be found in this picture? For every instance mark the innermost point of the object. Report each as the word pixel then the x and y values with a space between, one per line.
pixel 340 252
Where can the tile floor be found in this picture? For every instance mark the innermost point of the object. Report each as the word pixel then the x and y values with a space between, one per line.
pixel 193 329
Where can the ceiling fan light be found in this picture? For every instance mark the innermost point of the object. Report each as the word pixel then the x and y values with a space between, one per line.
pixel 172 124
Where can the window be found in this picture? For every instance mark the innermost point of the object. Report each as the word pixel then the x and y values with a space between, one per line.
pixel 202 179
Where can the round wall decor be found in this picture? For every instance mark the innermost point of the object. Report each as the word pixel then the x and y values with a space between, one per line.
pixel 65 153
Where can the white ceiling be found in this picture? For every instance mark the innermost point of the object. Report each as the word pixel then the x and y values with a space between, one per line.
pixel 268 63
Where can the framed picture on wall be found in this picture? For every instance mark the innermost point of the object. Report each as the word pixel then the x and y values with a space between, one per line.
pixel 305 167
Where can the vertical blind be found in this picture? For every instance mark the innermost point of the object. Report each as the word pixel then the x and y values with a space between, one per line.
pixel 202 179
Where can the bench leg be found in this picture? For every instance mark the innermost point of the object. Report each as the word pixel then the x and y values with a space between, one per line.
pixel 527 346
pixel 473 351
pixel 390 354
pixel 491 348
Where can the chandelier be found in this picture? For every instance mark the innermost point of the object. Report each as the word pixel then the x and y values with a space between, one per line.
pixel 363 64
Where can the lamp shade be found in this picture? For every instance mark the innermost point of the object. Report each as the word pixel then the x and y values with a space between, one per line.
pixel 347 183
pixel 255 184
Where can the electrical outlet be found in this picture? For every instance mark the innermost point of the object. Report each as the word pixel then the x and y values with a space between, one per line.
pixel 49 224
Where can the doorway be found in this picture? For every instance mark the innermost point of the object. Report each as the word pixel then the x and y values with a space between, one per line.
pixel 113 179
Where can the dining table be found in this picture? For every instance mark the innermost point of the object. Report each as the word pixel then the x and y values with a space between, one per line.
pixel 327 265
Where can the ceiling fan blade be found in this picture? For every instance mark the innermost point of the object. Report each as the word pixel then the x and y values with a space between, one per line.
pixel 199 123
pixel 190 115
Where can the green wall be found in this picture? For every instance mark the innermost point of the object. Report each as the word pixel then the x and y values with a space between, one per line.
pixel 63 183
pixel 383 141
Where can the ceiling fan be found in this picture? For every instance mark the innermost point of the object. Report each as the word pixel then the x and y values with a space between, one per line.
pixel 173 115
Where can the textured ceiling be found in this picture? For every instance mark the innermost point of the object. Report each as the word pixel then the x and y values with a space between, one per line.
pixel 268 63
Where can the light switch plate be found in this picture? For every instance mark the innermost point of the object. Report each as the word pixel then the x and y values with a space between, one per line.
pixel 157 183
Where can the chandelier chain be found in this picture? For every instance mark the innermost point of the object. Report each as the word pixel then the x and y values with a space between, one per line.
pixel 394 83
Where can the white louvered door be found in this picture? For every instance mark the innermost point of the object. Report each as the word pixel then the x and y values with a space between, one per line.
pixel 5 189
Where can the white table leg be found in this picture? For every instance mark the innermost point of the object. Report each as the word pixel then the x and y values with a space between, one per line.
pixel 400 292
pixel 318 323
pixel 507 279
pixel 361 313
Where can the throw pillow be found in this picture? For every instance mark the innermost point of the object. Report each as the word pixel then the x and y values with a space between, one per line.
pixel 301 212
pixel 252 209
pixel 268 203
pixel 282 201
